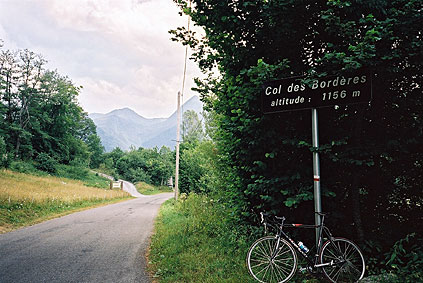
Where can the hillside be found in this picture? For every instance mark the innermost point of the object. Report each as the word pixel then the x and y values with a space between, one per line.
pixel 27 199
pixel 125 128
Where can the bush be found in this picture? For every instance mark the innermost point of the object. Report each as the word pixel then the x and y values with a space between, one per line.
pixel 45 163
pixel 402 263
pixel 72 172
pixel 138 175
pixel 24 167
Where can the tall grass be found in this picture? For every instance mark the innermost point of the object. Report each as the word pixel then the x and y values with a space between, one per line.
pixel 27 199
pixel 194 241
pixel 77 172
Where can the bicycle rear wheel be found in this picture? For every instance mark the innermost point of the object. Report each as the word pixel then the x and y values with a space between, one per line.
pixel 345 258
pixel 269 262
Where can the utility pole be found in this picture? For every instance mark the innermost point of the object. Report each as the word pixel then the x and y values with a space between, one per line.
pixel 178 125
pixel 179 116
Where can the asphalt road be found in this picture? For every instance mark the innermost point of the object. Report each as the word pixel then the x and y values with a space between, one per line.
pixel 105 244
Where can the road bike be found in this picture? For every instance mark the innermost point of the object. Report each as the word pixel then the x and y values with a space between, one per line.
pixel 274 258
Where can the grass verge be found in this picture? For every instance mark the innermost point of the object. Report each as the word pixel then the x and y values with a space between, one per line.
pixel 146 189
pixel 28 199
pixel 194 242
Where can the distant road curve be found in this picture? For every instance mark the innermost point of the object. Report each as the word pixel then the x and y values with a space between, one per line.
pixel 104 244
pixel 130 188
pixel 127 186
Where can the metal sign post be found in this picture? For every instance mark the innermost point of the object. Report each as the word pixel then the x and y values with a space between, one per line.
pixel 316 170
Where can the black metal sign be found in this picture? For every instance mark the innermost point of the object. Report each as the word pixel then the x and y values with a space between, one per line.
pixel 292 94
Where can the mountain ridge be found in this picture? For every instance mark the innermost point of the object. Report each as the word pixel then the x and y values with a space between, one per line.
pixel 124 128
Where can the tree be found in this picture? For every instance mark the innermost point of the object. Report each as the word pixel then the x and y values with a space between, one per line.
pixel 30 70
pixel 192 127
pixel 96 149
pixel 40 115
pixel 364 147
pixel 144 165
pixel 198 168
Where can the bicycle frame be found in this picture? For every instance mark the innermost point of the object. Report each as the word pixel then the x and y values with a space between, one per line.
pixel 276 256
pixel 313 261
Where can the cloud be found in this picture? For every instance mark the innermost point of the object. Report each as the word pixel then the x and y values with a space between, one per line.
pixel 120 51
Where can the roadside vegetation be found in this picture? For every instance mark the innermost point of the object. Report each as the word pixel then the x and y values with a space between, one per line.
pixel 27 199
pixel 236 161
pixel 44 132
pixel 195 241
pixel 81 173
pixel 371 158
pixel 147 189
pixel 149 165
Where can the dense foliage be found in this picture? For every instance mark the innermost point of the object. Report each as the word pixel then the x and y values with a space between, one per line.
pixel 152 166
pixel 40 118
pixel 197 155
pixel 371 154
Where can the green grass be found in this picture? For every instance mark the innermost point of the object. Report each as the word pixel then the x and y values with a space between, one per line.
pixel 147 189
pixel 16 214
pixel 195 241
pixel 192 243
pixel 89 178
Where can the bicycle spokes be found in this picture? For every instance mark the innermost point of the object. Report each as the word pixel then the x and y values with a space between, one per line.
pixel 271 260
pixel 342 261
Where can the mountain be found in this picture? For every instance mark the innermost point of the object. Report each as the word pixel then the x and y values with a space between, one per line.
pixel 125 128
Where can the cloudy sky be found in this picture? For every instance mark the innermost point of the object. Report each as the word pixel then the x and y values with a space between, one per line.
pixel 119 50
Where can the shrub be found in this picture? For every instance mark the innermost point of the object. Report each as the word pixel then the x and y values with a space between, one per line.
pixel 45 163
pixel 24 167
pixel 72 172
pixel 138 175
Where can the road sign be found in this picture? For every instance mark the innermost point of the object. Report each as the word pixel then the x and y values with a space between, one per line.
pixel 116 184
pixel 294 94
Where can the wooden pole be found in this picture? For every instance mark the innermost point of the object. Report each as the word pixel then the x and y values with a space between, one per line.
pixel 178 125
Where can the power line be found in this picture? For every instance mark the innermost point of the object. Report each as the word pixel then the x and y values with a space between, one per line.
pixel 185 69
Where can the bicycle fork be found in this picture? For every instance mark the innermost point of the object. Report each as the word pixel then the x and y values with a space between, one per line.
pixel 276 249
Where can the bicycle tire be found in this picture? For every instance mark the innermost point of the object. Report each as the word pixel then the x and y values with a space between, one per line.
pixel 267 265
pixel 350 266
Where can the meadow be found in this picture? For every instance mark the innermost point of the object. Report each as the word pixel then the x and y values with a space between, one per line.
pixel 28 199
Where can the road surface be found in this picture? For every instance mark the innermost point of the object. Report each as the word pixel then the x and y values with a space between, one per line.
pixel 105 244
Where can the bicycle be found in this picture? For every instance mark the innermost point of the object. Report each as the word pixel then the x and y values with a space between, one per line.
pixel 274 258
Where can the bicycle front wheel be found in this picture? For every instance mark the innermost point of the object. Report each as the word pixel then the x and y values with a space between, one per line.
pixel 345 262
pixel 270 260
